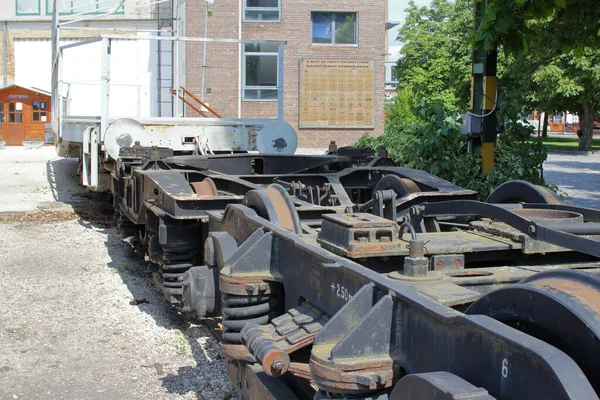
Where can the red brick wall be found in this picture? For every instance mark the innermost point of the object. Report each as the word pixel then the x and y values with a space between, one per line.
pixel 221 74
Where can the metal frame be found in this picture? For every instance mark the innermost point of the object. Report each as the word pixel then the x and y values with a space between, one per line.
pixel 23 14
pixel 244 86
pixel 105 77
pixel 333 43
pixel 72 8
pixel 246 8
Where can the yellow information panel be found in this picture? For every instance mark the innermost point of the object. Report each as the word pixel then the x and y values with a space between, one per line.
pixel 336 93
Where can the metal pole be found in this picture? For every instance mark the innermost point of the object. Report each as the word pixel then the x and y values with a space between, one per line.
pixel 240 48
pixel 176 70
pixel 280 71
pixel 5 39
pixel 204 50
pixel 159 77
pixel 105 87
pixel 484 95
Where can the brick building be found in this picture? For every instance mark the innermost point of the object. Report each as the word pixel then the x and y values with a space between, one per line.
pixel 334 63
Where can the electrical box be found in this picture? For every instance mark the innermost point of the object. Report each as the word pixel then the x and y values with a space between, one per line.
pixel 472 125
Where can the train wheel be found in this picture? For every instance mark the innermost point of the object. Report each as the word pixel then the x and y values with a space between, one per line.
pixel 559 307
pixel 436 386
pixel 206 187
pixel 400 186
pixel 274 204
pixel 523 192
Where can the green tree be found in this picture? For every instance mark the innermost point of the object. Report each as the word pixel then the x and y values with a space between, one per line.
pixel 570 24
pixel 573 80
pixel 435 60
pixel 555 81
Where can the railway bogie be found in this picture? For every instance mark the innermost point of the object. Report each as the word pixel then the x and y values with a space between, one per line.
pixel 343 276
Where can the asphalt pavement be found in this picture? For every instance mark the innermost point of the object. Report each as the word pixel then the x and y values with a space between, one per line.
pixel 576 175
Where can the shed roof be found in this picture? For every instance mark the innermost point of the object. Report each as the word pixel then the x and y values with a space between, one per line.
pixel 34 90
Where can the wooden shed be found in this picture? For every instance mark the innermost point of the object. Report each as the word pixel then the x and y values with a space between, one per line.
pixel 24 113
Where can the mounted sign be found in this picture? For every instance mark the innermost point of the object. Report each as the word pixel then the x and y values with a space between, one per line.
pixel 12 97
pixel 336 93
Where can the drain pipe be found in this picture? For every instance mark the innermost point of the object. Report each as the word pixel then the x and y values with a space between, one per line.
pixel 240 48
pixel 4 58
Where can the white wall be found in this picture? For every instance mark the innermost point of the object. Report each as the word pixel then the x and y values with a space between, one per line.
pixel 133 75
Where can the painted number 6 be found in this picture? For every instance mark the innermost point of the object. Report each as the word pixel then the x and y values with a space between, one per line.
pixel 505 368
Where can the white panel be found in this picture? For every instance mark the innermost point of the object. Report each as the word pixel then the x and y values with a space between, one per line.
pixel 133 75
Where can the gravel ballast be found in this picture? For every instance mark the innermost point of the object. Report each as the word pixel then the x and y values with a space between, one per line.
pixel 68 329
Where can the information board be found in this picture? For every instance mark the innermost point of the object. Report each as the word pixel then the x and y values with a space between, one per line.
pixel 336 93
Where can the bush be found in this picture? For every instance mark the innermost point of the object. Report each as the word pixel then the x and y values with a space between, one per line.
pixel 432 141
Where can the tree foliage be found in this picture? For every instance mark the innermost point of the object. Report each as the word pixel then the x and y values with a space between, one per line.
pixel 555 81
pixel 544 60
pixel 571 24
pixel 435 60
pixel 433 142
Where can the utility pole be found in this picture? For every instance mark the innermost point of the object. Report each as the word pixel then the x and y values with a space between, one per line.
pixel 484 98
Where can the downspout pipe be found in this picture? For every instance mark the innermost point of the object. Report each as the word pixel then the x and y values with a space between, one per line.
pixel 240 49
pixel 4 55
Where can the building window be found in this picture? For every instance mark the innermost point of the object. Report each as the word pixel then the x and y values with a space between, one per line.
pixel 28 7
pixel 15 112
pixel 260 71
pixel 262 10
pixel 66 7
pixel 334 28
pixel 39 111
pixel 557 119
pixel 1 113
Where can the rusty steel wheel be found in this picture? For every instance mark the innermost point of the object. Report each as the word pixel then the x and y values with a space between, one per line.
pixel 400 186
pixel 522 192
pixel 206 187
pixel 560 307
pixel 274 204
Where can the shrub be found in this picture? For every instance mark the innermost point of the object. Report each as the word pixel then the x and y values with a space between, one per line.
pixel 432 141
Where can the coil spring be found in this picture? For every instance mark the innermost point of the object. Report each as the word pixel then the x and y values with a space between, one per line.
pixel 241 310
pixel 176 261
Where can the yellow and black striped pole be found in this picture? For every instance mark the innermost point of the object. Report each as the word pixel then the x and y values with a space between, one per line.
pixel 489 132
pixel 483 95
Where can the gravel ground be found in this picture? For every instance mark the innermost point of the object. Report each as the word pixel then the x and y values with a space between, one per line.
pixel 67 328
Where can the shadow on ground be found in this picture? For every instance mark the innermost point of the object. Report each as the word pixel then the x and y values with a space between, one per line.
pixel 95 211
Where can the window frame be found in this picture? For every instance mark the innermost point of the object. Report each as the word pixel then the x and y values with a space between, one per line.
pixel 244 86
pixel 49 10
pixel 246 8
pixel 39 9
pixel 15 113
pixel 40 111
pixel 333 29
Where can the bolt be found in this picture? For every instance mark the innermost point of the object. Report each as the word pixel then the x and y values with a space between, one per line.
pixel 277 365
